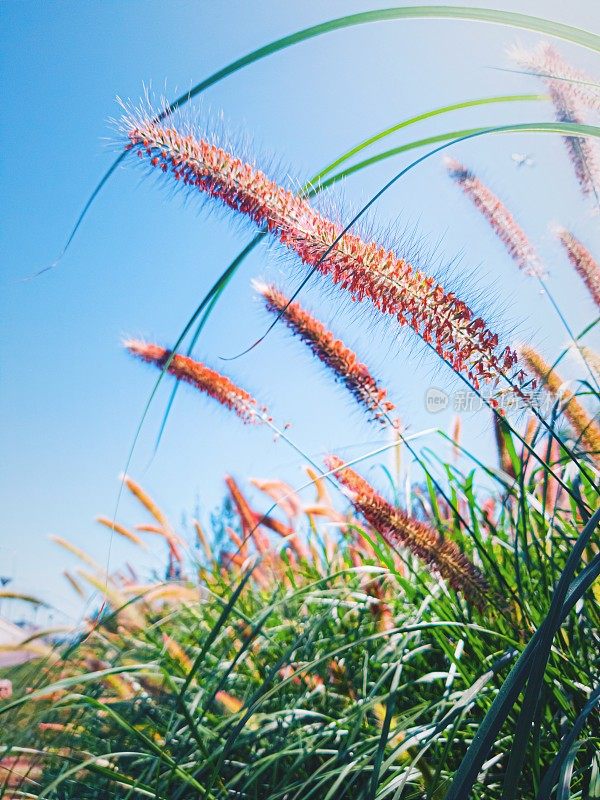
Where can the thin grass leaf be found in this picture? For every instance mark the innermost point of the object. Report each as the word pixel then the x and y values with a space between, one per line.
pixel 523 21
pixel 566 747
pixel 535 653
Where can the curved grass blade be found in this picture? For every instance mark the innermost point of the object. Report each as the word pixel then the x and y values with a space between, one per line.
pixel 370 794
pixel 511 98
pixel 578 338
pixel 67 683
pixel 111 773
pixel 213 292
pixel 136 733
pixel 113 168
pixel 564 128
pixel 565 597
pixel 565 749
pixel 207 305
pixel 566 774
pixel 524 21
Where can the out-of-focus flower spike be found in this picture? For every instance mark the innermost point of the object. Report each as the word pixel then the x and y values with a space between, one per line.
pixel 283 494
pixel 173 540
pixel 500 429
pixel 544 61
pixel 455 435
pixel 201 536
pixel 177 653
pixel 249 519
pixel 582 260
pixel 498 216
pixel 75 585
pixel 586 428
pixel 121 530
pixel 239 543
pixel 569 94
pixel 591 357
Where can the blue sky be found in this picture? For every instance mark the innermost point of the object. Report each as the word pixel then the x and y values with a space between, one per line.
pixel 69 397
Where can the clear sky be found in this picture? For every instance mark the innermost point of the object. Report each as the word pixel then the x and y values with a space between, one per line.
pixel 70 399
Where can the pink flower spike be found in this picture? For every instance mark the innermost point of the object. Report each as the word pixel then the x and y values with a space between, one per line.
pixel 207 380
pixel 499 217
pixel 367 270
pixel 582 260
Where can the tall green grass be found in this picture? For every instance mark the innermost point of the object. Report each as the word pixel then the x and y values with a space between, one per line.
pixel 337 676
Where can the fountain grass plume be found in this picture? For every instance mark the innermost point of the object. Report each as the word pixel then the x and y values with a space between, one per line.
pixel 586 428
pixel 544 61
pixel 207 380
pixel 498 216
pixel 121 530
pixel 341 360
pixel 591 357
pixel 440 553
pixel 582 260
pixel 567 92
pixel 367 270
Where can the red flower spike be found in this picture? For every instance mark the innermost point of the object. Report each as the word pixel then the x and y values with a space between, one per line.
pixel 202 377
pixel 365 269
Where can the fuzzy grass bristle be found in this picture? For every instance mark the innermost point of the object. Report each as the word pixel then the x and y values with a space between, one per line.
pixel 498 216
pixel 586 428
pixel 441 554
pixel 582 260
pixel 207 380
pixel 332 352
pixel 590 356
pixel 367 270
pixel 121 530
pixel 544 61
pixel 567 90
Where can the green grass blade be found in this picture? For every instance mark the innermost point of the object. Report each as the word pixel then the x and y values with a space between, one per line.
pixel 67 683
pixel 534 684
pixel 569 740
pixel 160 752
pixel 214 632
pixel 92 765
pixel 455 137
pixel 533 654
pixel 207 305
pixel 483 101
pixel 488 15
pixel 385 732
